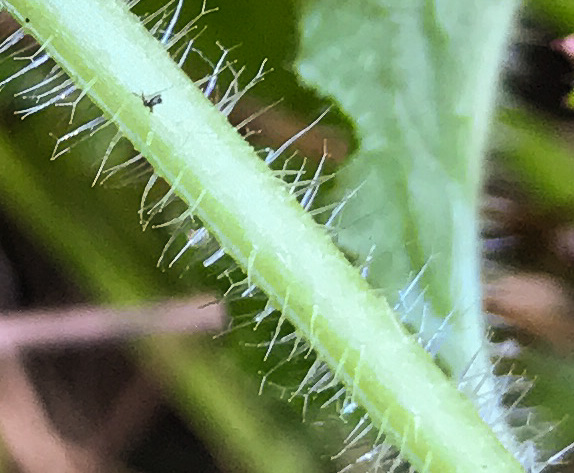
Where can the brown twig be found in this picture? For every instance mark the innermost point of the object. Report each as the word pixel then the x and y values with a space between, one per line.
pixel 88 325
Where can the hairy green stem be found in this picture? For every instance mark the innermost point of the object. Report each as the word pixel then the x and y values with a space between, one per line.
pixel 103 47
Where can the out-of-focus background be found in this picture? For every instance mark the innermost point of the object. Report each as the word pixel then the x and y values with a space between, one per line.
pixel 108 363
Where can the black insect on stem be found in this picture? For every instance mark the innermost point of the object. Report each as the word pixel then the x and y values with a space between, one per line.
pixel 151 102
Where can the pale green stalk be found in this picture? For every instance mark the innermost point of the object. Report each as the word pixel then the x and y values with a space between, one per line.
pixel 265 230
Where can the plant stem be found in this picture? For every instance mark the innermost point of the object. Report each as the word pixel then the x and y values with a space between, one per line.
pixel 255 219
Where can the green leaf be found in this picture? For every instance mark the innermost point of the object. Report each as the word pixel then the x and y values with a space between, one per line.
pixel 418 78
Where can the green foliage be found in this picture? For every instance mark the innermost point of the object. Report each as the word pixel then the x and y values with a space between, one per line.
pixel 417 79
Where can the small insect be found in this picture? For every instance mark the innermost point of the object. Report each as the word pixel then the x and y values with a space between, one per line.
pixel 151 102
